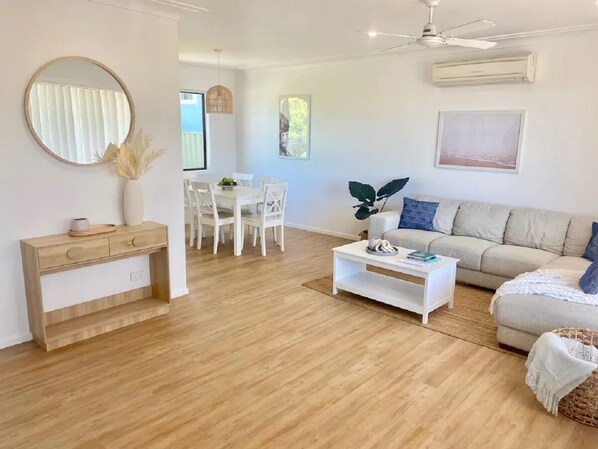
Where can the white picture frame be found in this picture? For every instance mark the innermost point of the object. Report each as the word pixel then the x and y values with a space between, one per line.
pixel 294 126
pixel 480 140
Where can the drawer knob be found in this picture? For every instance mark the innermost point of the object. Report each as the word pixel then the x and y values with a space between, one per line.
pixel 76 252
pixel 137 241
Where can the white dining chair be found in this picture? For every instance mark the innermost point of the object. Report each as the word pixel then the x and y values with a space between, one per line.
pixel 190 209
pixel 209 215
pixel 269 180
pixel 243 179
pixel 263 181
pixel 271 216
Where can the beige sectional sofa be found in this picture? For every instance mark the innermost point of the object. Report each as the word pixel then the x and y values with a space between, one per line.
pixel 497 243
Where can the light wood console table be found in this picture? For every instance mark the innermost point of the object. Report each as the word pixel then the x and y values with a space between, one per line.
pixel 58 253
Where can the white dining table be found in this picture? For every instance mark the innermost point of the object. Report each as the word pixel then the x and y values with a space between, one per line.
pixel 236 199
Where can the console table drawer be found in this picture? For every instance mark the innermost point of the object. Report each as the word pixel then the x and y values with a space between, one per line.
pixel 137 241
pixel 57 256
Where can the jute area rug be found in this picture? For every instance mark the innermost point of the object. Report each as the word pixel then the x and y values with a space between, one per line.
pixel 468 320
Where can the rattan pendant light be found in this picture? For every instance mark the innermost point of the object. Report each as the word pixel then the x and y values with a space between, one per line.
pixel 219 99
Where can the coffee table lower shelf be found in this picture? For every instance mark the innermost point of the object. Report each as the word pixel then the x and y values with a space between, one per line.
pixel 395 292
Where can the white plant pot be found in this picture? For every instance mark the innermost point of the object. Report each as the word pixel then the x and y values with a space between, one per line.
pixel 133 203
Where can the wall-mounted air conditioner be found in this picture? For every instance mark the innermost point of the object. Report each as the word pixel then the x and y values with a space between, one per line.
pixel 513 69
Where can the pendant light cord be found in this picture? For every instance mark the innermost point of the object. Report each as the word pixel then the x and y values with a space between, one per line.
pixel 219 66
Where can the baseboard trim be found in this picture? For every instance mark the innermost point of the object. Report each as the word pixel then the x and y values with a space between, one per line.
pixel 180 292
pixel 322 231
pixel 15 339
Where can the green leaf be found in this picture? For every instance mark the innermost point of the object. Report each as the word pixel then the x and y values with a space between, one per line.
pixel 363 192
pixel 364 212
pixel 393 187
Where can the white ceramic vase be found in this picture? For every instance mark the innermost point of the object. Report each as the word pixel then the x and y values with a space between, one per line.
pixel 133 203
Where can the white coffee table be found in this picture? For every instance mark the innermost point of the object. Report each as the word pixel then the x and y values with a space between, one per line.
pixel 350 274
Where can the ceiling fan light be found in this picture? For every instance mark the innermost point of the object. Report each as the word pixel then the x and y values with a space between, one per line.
pixel 431 41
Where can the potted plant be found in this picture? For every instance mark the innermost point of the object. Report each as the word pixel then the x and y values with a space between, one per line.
pixel 368 197
pixel 227 183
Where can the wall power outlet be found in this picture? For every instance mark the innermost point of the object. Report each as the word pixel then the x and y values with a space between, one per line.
pixel 136 276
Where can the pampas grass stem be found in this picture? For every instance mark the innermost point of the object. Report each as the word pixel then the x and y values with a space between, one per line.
pixel 135 158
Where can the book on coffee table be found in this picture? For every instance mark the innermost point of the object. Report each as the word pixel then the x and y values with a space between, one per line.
pixel 421 256
pixel 419 263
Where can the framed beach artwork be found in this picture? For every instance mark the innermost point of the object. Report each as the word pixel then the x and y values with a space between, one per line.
pixel 294 128
pixel 480 140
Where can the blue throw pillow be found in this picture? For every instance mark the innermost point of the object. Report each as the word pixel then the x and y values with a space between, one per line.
pixel 418 215
pixel 592 248
pixel 589 281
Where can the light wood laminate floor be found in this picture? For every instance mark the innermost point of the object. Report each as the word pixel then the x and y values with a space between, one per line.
pixel 251 359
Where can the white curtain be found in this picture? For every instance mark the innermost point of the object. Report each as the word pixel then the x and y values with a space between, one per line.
pixel 77 123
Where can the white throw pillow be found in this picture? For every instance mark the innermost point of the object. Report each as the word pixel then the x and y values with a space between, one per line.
pixel 445 214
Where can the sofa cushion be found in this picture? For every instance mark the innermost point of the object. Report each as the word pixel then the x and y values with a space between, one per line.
pixel 511 261
pixel 481 279
pixel 569 263
pixel 536 314
pixel 578 236
pixel 418 214
pixel 412 238
pixel 536 228
pixel 445 214
pixel 484 221
pixel 468 249
pixel 591 252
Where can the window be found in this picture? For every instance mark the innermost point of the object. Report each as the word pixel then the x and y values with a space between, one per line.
pixel 193 123
pixel 188 98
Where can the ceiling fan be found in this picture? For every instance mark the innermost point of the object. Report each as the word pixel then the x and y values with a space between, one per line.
pixel 432 38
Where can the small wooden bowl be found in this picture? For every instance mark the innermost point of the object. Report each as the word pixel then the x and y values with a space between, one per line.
pixel 94 230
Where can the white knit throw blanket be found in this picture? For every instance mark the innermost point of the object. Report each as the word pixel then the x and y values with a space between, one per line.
pixel 558 284
pixel 556 366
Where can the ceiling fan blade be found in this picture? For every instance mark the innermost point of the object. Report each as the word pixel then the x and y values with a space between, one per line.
pixel 472 43
pixel 396 47
pixel 377 33
pixel 471 27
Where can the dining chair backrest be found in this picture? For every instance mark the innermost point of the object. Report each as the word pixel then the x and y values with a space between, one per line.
pixel 275 201
pixel 243 179
pixel 188 190
pixel 204 199
pixel 269 180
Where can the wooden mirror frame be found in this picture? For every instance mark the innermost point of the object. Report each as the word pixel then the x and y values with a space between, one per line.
pixel 28 114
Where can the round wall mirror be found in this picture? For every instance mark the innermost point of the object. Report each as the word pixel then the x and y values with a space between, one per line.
pixel 75 107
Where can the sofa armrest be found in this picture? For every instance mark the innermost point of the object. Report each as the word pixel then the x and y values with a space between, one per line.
pixel 380 223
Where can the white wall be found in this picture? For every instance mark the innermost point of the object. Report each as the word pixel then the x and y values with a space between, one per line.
pixel 39 194
pixel 222 144
pixel 376 119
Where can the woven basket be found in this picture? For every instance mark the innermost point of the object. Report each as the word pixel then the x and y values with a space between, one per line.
pixel 581 404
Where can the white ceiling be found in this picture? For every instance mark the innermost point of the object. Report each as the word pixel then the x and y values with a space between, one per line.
pixel 268 32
